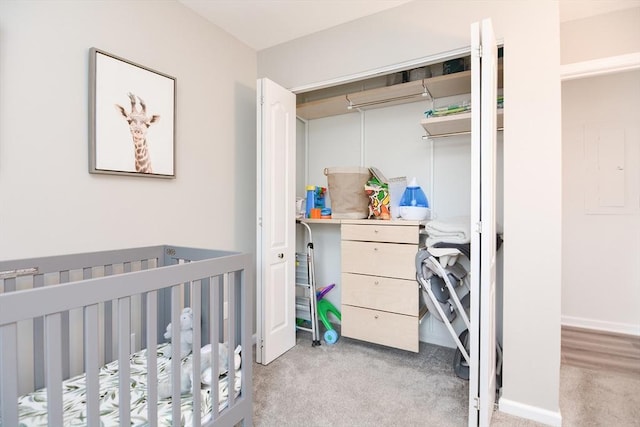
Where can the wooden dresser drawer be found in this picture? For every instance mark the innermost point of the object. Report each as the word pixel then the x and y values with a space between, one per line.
pixel 380 327
pixel 379 259
pixel 380 233
pixel 381 293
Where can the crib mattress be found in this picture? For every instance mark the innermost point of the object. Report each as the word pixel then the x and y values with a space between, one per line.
pixel 32 408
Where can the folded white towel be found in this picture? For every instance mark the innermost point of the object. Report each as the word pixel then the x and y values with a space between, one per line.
pixel 451 230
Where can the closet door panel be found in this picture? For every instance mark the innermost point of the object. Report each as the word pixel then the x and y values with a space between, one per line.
pixel 276 156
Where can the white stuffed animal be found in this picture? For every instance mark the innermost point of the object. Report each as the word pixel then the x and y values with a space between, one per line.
pixel 186 332
pixel 186 373
pixel 223 361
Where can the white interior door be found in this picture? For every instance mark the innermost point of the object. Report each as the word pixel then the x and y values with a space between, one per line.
pixel 484 82
pixel 275 254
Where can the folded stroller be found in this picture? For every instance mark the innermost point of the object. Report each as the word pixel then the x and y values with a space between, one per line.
pixel 446 292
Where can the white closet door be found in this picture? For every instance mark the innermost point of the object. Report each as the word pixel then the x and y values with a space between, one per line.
pixel 482 382
pixel 275 257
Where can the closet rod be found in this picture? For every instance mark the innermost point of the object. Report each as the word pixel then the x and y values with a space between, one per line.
pixel 445 135
pixel 423 94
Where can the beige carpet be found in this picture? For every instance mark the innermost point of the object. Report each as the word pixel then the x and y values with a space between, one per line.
pixel 353 383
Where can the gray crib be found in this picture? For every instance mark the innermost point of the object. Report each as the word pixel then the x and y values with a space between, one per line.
pixel 81 337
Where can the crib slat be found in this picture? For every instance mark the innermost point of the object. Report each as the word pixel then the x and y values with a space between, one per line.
pixel 87 273
pixel 152 357
pixel 38 341
pixel 231 336
pixel 124 367
pixel 195 385
pixel 53 367
pixel 205 310
pixel 175 353
pixel 143 324
pixel 108 322
pixel 9 369
pixel 9 284
pixel 63 277
pixel 214 330
pixel 91 358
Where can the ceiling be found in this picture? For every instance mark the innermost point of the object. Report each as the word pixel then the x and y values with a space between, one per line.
pixel 264 23
pixel 261 24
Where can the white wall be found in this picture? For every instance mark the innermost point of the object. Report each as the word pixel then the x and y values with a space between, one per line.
pixel 50 203
pixel 600 36
pixel 532 223
pixel 603 296
pixel 601 247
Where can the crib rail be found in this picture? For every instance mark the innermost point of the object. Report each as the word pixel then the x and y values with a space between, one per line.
pixel 201 279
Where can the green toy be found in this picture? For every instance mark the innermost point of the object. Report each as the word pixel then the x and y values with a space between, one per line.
pixel 324 307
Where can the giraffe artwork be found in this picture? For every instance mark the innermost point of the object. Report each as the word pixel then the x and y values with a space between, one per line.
pixel 139 123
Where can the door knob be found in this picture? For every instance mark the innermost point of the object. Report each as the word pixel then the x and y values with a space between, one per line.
pixel 280 256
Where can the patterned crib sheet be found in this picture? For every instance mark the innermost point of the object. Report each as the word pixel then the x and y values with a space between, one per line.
pixel 32 408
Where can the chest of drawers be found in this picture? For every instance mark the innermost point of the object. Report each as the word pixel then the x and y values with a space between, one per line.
pixel 380 295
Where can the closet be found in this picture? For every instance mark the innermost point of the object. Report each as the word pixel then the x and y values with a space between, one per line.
pixel 377 123
pixel 373 123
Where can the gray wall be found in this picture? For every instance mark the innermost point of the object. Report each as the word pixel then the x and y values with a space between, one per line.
pixel 532 200
pixel 50 203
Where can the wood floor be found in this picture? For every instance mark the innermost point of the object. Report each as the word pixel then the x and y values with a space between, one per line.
pixel 601 350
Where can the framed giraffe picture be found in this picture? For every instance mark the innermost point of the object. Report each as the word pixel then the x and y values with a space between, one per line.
pixel 132 118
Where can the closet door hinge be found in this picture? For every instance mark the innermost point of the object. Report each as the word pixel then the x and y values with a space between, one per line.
pixel 479 227
pixel 476 403
pixel 478 52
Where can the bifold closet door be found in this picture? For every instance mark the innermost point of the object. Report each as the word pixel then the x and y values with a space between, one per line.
pixel 275 252
pixel 484 83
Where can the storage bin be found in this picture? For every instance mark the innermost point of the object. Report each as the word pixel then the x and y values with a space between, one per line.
pixel 453 66
pixel 346 191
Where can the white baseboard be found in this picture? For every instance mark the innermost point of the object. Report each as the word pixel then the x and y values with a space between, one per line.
pixel 600 325
pixel 529 412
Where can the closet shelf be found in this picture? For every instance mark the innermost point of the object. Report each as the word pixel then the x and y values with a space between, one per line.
pixel 454 124
pixel 413 91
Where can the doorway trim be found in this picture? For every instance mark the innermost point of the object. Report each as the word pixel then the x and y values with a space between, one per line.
pixel 597 67
pixel 419 62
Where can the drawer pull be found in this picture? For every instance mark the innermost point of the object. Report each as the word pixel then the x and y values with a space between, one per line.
pixel 375 249
pixel 376 283
pixel 375 317
pixel 375 231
